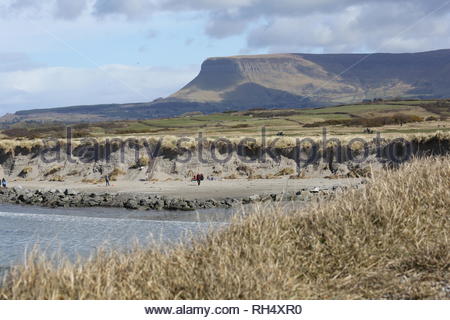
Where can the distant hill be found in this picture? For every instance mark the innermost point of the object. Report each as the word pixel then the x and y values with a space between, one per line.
pixel 282 81
pixel 297 79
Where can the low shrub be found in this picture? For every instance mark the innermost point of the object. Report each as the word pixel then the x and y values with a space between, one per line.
pixel 116 173
pixel 73 173
pixel 57 179
pixel 141 162
pixel 244 170
pixel 285 172
pixel 52 171
pixel 25 172
pixel 232 176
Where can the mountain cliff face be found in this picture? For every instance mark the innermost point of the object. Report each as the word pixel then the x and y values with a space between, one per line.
pixel 282 80
pixel 318 79
pixel 267 80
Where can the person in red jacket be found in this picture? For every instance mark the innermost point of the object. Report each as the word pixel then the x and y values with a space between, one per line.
pixel 199 178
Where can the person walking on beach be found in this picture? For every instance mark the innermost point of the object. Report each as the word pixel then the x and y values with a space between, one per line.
pixel 107 180
pixel 199 178
pixel 4 183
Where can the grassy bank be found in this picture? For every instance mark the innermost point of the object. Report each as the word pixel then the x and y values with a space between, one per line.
pixel 399 116
pixel 389 240
pixel 170 142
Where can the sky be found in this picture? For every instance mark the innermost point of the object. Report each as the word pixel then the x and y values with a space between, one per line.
pixel 72 52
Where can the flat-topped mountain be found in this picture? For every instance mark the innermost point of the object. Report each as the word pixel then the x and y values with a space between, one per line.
pixel 281 80
pixel 294 79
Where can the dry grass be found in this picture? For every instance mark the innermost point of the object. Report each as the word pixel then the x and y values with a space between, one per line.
pixel 25 172
pixel 141 162
pixel 170 142
pixel 52 171
pixel 114 175
pixel 388 240
pixel 232 176
pixel 92 181
pixel 74 173
pixel 285 172
pixel 57 178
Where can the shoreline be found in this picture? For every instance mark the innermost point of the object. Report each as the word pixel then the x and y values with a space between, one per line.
pixel 174 195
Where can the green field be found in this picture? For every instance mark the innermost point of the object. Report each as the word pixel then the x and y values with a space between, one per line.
pixel 340 120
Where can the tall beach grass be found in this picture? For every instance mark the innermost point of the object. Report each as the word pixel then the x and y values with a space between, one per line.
pixel 388 240
pixel 171 142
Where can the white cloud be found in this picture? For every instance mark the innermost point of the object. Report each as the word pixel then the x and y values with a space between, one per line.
pixel 387 27
pixel 323 25
pixel 60 86
pixel 262 25
pixel 15 61
pixel 130 8
pixel 319 25
pixel 69 9
pixel 225 23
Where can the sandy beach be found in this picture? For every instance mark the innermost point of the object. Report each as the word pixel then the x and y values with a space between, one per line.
pixel 221 189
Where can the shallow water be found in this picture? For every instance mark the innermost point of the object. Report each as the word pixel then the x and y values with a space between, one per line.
pixel 80 232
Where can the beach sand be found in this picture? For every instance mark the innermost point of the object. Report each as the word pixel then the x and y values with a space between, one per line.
pixel 236 188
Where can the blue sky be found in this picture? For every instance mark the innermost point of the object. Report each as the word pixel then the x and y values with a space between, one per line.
pixel 66 52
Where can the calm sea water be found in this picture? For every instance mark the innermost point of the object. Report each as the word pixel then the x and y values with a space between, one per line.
pixel 80 232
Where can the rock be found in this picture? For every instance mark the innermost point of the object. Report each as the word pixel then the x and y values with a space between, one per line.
pixel 157 204
pixel 68 192
pixel 315 190
pixel 341 169
pixel 145 203
pixel 71 198
pixel 23 198
pixel 131 204
pixel 183 205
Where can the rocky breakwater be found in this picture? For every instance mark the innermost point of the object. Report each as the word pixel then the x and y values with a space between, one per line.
pixel 74 199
